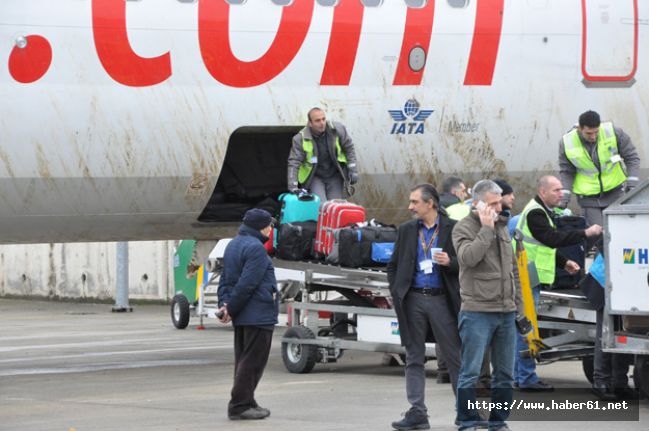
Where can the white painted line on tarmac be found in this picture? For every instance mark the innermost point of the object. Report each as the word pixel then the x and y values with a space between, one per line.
pixel 80 333
pixel 104 367
pixel 86 344
pixel 124 352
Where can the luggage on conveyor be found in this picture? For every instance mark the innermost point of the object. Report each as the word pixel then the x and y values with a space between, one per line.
pixel 298 207
pixel 334 215
pixel 296 240
pixel 357 246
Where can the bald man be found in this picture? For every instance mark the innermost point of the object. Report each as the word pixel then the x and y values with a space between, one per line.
pixel 541 240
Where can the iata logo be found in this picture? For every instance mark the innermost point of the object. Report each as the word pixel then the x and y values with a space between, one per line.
pixel 629 255
pixel 410 120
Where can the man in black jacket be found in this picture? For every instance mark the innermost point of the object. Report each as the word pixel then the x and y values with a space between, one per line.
pixel 425 291
pixel 541 239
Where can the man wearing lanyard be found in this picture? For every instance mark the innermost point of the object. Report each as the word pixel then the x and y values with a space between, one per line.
pixel 424 286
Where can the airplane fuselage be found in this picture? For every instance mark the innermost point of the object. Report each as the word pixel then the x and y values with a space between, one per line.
pixel 118 115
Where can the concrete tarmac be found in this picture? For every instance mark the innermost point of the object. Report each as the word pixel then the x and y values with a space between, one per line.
pixel 68 366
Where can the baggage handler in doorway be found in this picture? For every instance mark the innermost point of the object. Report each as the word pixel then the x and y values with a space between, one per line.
pixel 248 297
pixel 322 158
pixel 541 240
pixel 422 274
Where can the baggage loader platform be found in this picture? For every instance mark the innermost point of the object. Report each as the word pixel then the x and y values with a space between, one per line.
pixel 332 309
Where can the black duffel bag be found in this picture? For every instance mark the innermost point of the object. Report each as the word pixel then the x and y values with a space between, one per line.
pixel 295 240
pixel 577 253
pixel 353 246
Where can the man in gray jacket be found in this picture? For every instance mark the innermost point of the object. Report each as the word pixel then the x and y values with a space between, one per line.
pixel 490 292
pixel 597 162
pixel 322 158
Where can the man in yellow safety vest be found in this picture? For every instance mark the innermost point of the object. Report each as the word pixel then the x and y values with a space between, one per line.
pixel 322 158
pixel 541 240
pixel 597 162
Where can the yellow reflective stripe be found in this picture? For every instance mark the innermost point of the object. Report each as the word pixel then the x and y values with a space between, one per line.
pixel 543 257
pixel 306 167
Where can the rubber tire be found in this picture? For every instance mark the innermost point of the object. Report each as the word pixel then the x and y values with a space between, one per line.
pixel 641 374
pixel 299 358
pixel 182 320
pixel 588 365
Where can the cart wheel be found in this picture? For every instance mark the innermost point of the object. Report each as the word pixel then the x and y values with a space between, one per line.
pixel 299 358
pixel 588 365
pixel 180 311
pixel 641 374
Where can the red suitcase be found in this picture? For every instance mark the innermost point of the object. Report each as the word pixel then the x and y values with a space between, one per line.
pixel 333 215
pixel 270 244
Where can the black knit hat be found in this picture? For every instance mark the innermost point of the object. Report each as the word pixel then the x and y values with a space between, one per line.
pixel 257 218
pixel 507 189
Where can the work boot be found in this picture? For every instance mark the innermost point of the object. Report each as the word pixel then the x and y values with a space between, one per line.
pixel 412 420
pixel 253 413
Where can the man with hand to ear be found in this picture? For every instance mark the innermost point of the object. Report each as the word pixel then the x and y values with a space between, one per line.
pixel 248 298
pixel 491 299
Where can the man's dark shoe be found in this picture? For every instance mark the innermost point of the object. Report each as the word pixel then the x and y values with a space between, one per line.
pixel 537 387
pixel 412 420
pixel 603 392
pixel 264 410
pixel 626 393
pixel 253 413
pixel 443 377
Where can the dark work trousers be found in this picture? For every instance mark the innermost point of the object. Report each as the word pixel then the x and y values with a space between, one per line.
pixel 251 350
pixel 610 369
pixel 423 312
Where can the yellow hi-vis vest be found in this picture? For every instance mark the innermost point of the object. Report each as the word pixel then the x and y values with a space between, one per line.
pixel 544 257
pixel 458 211
pixel 589 180
pixel 306 168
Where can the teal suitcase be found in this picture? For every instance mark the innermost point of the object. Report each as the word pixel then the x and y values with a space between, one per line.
pixel 297 208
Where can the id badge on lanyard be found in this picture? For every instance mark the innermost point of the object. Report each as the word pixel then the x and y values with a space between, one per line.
pixel 426 265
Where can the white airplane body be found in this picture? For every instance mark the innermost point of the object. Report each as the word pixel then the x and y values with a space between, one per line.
pixel 117 115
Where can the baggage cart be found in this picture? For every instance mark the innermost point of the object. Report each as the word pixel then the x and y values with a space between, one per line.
pixel 318 334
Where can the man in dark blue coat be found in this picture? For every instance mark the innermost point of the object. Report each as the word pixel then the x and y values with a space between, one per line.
pixel 248 297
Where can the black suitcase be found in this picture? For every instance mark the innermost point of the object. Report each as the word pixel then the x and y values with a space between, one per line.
pixel 295 241
pixel 577 253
